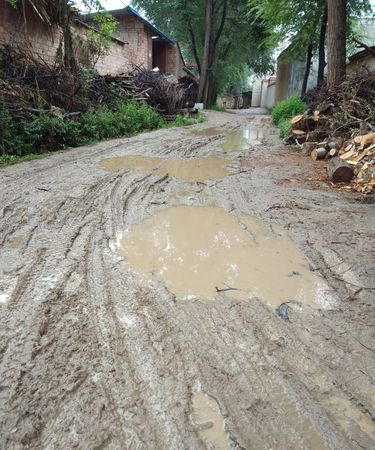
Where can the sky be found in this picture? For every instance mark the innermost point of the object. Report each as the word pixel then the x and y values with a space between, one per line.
pixel 111 4
pixel 117 4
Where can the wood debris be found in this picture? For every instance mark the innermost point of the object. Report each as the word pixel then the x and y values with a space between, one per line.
pixel 339 129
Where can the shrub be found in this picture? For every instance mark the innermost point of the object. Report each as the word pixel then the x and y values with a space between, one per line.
pixel 285 126
pixel 46 132
pixel 216 107
pixel 288 108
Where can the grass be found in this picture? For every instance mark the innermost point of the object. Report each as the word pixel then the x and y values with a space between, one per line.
pixel 285 110
pixel 7 160
pixel 216 107
pixel 45 133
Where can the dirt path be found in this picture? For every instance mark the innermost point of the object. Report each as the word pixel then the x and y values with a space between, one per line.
pixel 94 355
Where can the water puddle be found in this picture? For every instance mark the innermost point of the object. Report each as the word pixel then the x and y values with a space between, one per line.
pixel 132 162
pixel 194 169
pixel 242 139
pixel 210 423
pixel 200 251
pixel 206 132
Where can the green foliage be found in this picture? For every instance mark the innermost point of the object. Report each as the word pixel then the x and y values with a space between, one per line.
pixel 47 132
pixel 98 41
pixel 216 107
pixel 288 108
pixel 240 48
pixel 298 21
pixel 183 121
pixel 201 117
pixel 21 141
pixel 284 126
pixel 7 160
pixel 12 2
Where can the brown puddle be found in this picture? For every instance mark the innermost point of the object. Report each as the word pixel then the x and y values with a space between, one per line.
pixel 207 132
pixel 198 251
pixel 209 421
pixel 194 169
pixel 242 139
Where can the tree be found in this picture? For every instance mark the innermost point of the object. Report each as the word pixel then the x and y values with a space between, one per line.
pixel 219 35
pixel 304 24
pixel 336 41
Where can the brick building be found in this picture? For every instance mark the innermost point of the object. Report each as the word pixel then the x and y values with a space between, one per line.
pixel 136 41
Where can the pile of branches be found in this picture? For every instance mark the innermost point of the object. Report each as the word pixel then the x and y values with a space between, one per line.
pixel 347 107
pixel 340 126
pixel 161 92
pixel 27 83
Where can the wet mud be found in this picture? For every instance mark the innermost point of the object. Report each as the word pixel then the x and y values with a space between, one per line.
pixel 193 169
pixel 201 251
pixel 194 310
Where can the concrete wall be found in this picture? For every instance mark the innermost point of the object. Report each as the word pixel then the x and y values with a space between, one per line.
pixel 264 93
pixel 257 93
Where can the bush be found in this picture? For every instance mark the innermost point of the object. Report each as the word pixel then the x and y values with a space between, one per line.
pixel 288 108
pixel 216 107
pixel 285 126
pixel 47 132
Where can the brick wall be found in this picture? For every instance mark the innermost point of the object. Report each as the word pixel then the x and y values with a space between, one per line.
pixel 174 63
pixel 135 48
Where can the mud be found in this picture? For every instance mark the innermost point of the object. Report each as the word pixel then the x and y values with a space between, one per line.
pixel 97 354
pixel 209 421
pixel 201 251
pixel 197 169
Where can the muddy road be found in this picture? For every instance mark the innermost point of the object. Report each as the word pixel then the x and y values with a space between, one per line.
pixel 219 301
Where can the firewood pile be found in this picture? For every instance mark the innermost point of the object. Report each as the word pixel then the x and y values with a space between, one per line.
pixel 339 127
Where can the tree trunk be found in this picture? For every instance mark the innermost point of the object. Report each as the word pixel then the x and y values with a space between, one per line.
pixel 194 47
pixel 307 69
pixel 69 58
pixel 336 41
pixel 203 80
pixel 322 50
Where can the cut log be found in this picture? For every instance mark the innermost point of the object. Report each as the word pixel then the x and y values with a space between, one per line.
pixel 334 144
pixel 298 132
pixel 333 152
pixel 307 148
pixel 303 122
pixel 297 120
pixel 318 153
pixel 339 171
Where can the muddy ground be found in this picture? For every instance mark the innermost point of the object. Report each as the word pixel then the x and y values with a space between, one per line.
pixel 95 355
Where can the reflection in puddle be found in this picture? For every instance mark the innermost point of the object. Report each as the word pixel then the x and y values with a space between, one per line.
pixel 193 169
pixel 198 251
pixel 209 421
pixel 242 139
